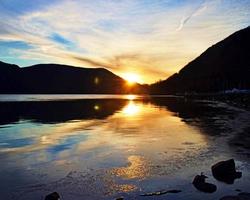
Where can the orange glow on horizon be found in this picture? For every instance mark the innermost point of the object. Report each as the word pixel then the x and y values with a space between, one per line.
pixel 131 97
pixel 132 78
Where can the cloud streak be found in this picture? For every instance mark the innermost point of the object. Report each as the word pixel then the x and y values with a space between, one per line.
pixel 145 37
pixel 194 13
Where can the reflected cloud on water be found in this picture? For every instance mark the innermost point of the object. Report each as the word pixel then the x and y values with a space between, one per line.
pixel 119 124
pixel 127 139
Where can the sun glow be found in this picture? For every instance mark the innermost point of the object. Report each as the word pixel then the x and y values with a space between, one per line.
pixel 131 109
pixel 131 78
pixel 131 97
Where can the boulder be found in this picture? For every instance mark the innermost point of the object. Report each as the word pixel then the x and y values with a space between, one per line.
pixel 225 171
pixel 200 184
pixel 52 196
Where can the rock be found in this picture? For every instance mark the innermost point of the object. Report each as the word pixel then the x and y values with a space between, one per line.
pixel 173 191
pixel 52 196
pixel 160 192
pixel 240 196
pixel 225 171
pixel 200 184
pixel 120 198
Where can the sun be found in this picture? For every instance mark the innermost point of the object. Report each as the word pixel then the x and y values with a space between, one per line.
pixel 131 78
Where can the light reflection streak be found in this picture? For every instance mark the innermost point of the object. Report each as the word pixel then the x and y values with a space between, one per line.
pixel 131 109
pixel 137 168
pixel 131 97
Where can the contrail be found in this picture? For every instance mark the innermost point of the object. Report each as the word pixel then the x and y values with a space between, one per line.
pixel 196 12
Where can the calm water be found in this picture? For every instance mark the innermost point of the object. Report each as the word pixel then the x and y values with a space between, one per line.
pixel 108 146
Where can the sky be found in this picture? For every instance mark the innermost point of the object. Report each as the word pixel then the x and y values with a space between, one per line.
pixel 149 39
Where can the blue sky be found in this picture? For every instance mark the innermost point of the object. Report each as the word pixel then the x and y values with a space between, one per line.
pixel 150 38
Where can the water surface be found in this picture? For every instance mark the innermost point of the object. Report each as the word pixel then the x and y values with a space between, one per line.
pixel 108 146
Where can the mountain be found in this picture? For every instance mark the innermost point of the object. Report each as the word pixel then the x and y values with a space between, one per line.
pixel 223 66
pixel 61 79
pixel 8 77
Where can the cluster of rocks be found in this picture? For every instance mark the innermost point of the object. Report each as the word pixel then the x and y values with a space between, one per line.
pixel 222 171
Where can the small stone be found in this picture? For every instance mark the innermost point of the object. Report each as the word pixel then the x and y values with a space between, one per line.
pixel 160 192
pixel 200 184
pixel 52 196
pixel 120 198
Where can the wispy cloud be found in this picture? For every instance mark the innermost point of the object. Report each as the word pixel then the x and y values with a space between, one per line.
pixel 194 13
pixel 145 37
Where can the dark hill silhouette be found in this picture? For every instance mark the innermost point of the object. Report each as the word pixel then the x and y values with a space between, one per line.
pixel 8 77
pixel 223 66
pixel 61 79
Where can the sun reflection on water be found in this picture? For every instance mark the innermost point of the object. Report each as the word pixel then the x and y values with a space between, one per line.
pixel 137 168
pixel 131 109
pixel 131 141
pixel 131 97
